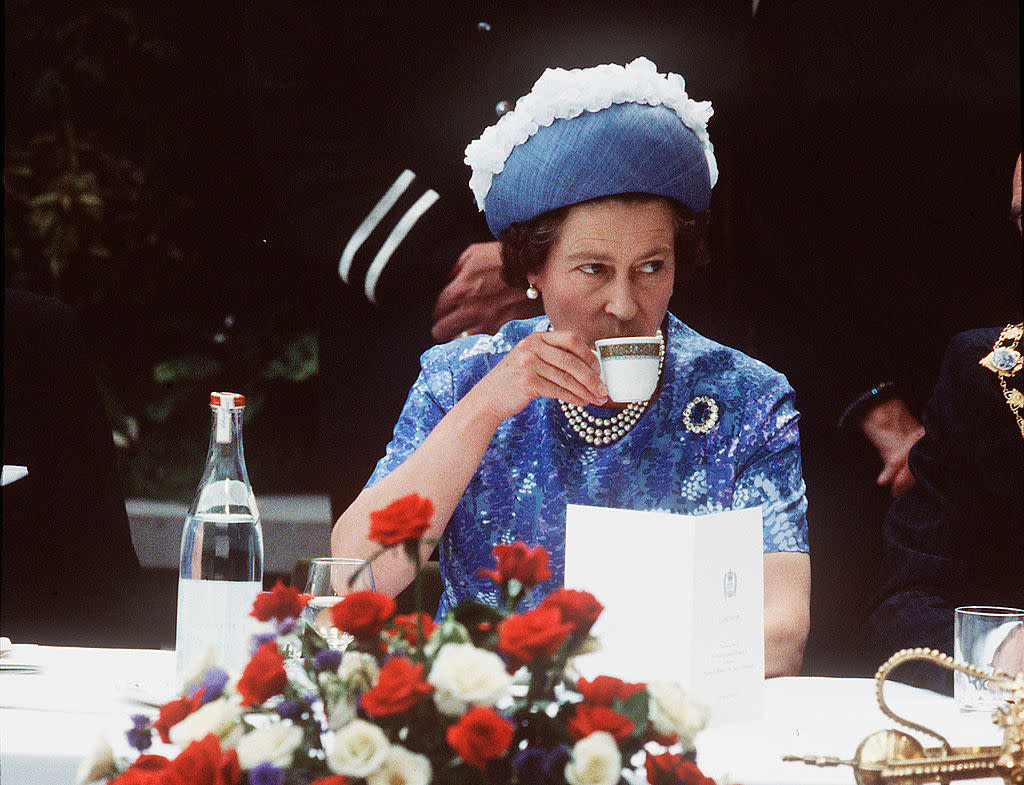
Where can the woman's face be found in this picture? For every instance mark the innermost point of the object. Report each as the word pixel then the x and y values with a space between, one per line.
pixel 610 272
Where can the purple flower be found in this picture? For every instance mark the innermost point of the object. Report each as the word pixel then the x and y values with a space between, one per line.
pixel 259 639
pixel 140 735
pixel 286 626
pixel 213 682
pixel 290 710
pixel 266 774
pixel 327 660
pixel 539 766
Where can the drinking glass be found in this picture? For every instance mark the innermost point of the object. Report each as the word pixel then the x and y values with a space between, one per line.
pixel 330 579
pixel 990 638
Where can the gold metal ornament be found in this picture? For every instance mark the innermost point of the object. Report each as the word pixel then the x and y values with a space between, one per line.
pixel 893 757
pixel 1006 361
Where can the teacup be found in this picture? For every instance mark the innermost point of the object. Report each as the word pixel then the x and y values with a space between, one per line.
pixel 629 366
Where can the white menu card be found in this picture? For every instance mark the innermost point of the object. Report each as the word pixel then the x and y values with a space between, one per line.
pixel 683 598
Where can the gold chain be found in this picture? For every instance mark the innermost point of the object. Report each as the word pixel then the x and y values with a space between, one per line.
pixel 1006 361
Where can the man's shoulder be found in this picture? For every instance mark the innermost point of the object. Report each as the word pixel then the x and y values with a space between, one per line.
pixel 978 341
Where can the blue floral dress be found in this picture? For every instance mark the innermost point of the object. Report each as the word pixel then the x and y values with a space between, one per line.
pixel 536 464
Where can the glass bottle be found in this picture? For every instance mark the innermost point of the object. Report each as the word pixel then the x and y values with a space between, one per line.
pixel 221 551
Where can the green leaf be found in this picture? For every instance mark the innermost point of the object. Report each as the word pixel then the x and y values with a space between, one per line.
pixel 449 631
pixel 472 615
pixel 161 411
pixel 43 220
pixel 50 197
pixel 189 367
pixel 636 708
pixel 298 361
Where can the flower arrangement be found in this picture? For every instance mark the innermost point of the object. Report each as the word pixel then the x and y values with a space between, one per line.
pixel 489 695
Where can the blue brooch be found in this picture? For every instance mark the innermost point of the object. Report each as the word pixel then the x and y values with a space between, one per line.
pixel 701 414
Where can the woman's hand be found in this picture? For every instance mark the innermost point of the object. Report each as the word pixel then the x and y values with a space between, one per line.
pixel 544 364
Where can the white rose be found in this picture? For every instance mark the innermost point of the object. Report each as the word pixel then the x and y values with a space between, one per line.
pixel 356 750
pixel 98 766
pixel 275 744
pixel 465 676
pixel 342 712
pixel 218 717
pixel 671 710
pixel 402 767
pixel 192 673
pixel 595 760
pixel 359 670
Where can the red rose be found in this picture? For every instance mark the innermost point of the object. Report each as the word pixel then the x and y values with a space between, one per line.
pixel 404 519
pixel 335 779
pixel 533 634
pixel 204 763
pixel 400 686
pixel 605 689
pixel 229 770
pixel 579 608
pixel 529 566
pixel 174 712
pixel 362 613
pixel 588 719
pixel 481 735
pixel 264 676
pixel 281 602
pixel 674 769
pixel 146 770
pixel 404 626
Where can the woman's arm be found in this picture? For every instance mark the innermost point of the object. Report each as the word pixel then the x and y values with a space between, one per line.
pixel 554 365
pixel 772 477
pixel 787 618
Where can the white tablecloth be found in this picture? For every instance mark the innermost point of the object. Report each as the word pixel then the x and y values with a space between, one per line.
pixel 50 720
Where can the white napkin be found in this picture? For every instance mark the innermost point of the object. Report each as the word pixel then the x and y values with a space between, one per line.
pixel 12 473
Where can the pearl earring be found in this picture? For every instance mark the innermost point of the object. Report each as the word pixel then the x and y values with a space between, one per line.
pixel 532 293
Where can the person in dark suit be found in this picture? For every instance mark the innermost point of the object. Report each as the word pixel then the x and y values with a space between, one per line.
pixel 956 537
pixel 69 570
pixel 870 180
pixel 359 122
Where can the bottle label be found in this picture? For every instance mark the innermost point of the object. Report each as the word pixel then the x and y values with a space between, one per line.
pixel 223 423
pixel 215 615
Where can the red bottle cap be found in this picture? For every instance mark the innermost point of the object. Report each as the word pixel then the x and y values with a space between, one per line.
pixel 228 400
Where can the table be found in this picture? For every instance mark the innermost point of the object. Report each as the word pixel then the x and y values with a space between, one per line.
pixel 50 720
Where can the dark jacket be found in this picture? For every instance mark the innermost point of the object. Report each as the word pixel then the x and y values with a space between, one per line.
pixel 69 570
pixel 956 537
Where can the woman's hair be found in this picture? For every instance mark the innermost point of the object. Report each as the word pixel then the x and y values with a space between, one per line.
pixel 525 246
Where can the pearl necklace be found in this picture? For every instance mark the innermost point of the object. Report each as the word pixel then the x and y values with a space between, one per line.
pixel 602 431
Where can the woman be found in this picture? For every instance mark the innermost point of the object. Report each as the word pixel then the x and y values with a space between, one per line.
pixel 594 199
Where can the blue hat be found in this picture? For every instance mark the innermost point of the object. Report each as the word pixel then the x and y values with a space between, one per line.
pixel 583 134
